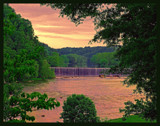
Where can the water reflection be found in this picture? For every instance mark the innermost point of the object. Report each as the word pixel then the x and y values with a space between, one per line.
pixel 108 95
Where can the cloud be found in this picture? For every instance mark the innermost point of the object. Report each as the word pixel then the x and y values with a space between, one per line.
pixel 61 37
pixel 51 28
pixel 66 36
pixel 64 30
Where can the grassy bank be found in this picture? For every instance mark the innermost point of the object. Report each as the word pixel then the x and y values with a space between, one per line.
pixel 131 119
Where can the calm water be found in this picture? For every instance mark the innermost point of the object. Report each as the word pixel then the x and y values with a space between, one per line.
pixel 108 95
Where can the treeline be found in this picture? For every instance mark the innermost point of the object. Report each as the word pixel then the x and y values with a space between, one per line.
pixel 100 60
pixel 24 57
pixel 70 60
pixel 82 57
pixel 87 52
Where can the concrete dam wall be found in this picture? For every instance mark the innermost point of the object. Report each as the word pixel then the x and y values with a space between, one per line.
pixel 75 71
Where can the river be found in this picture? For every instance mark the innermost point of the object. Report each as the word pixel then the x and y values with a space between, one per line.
pixel 108 95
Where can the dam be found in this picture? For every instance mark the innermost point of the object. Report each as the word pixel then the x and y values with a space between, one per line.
pixel 78 71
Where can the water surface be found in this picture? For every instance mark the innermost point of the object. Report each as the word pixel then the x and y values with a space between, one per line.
pixel 108 95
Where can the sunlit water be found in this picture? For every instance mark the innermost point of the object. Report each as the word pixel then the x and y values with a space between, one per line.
pixel 108 95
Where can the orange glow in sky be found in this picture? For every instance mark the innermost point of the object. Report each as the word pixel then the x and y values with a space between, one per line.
pixel 56 32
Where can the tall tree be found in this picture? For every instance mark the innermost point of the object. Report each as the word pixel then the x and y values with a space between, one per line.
pixel 131 26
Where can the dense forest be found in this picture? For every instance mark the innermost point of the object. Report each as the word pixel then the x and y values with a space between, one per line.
pixel 80 55
pixel 24 57
pixel 87 52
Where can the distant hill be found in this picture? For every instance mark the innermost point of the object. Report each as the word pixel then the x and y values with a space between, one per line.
pixel 86 51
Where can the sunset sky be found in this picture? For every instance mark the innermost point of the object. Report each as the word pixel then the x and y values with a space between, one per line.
pixel 56 32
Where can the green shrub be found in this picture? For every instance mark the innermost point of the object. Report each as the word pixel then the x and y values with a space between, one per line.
pixel 79 108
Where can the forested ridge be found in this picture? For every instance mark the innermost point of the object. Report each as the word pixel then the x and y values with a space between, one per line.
pixel 86 52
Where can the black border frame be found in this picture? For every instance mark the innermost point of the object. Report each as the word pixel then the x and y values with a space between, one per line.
pixel 84 1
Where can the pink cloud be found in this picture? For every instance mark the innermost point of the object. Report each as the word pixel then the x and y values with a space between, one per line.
pixel 59 37
pixel 46 20
pixel 66 30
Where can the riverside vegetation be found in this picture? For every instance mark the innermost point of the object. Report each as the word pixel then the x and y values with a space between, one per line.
pixel 26 59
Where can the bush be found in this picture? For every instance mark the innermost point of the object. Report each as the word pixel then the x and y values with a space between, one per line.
pixel 79 108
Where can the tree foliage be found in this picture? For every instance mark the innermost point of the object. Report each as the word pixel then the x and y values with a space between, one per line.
pixel 17 104
pixel 79 108
pixel 104 59
pixel 63 61
pixel 76 60
pixel 70 60
pixel 23 59
pixel 56 60
pixel 22 50
pixel 87 52
pixel 45 71
pixel 131 26
pixel 53 60
pixel 76 12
